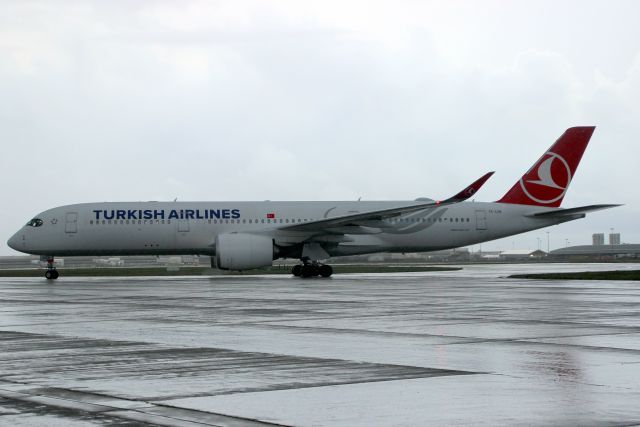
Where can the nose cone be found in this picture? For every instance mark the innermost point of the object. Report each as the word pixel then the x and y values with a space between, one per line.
pixel 13 242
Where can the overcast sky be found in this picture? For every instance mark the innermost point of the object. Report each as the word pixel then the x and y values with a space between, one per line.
pixel 303 100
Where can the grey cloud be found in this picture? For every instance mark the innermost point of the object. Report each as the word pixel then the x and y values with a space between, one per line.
pixel 258 100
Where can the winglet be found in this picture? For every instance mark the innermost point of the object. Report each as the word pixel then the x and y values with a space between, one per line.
pixel 470 190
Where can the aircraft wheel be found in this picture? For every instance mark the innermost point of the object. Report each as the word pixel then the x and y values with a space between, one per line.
pixel 306 270
pixel 55 274
pixel 326 270
pixel 49 274
pixel 296 270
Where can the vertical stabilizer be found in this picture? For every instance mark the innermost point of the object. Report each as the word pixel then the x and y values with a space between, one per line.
pixel 547 181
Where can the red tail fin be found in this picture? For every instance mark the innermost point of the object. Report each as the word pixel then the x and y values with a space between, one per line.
pixel 546 183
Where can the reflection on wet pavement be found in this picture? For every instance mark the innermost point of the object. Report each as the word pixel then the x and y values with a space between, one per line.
pixel 467 347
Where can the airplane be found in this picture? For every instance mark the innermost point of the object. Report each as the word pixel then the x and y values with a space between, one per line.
pixel 248 235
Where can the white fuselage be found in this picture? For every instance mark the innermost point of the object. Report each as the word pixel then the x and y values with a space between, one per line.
pixel 158 228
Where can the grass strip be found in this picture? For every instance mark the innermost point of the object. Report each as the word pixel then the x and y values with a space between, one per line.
pixel 584 275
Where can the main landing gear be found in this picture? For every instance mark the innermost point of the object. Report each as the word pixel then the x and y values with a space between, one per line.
pixel 51 273
pixel 310 269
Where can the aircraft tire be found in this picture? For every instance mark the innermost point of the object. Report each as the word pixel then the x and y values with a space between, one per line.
pixel 48 274
pixel 55 274
pixel 307 270
pixel 296 270
pixel 326 270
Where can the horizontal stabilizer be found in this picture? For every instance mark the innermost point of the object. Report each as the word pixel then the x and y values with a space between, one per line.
pixel 559 213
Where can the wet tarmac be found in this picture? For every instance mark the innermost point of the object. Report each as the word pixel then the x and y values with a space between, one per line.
pixel 461 347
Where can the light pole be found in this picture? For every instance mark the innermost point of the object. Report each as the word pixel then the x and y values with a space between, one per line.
pixel 538 242
pixel 547 242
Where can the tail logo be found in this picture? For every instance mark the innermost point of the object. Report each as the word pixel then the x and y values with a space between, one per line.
pixel 548 180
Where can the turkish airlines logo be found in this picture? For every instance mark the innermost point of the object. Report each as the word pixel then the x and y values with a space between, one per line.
pixel 547 182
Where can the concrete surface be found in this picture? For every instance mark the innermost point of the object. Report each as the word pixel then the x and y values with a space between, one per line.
pixel 463 347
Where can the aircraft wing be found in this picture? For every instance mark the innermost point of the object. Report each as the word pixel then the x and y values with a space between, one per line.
pixel 361 219
pixel 563 213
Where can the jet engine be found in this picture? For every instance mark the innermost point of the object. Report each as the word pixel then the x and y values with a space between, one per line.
pixel 241 251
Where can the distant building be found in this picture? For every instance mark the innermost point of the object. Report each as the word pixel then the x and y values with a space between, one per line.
pixel 522 254
pixel 109 262
pixel 599 252
pixel 598 239
pixel 614 238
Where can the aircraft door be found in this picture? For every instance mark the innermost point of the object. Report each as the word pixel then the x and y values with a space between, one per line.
pixel 481 220
pixel 71 222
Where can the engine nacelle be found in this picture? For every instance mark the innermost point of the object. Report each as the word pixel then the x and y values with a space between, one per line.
pixel 241 251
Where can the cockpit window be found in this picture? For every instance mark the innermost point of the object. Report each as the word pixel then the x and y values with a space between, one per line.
pixel 35 222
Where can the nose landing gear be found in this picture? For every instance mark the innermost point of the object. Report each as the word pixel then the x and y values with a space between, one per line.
pixel 51 273
pixel 310 269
